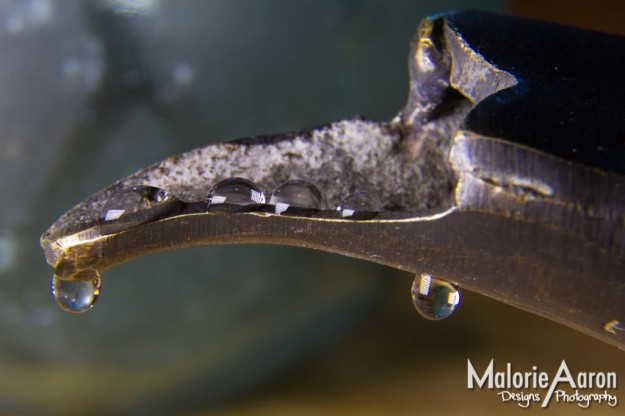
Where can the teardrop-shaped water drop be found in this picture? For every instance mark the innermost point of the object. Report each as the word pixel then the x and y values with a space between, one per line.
pixel 295 195
pixel 134 206
pixel 434 298
pixel 236 191
pixel 359 206
pixel 77 295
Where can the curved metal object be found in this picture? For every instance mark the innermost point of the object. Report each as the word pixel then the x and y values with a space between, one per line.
pixel 495 176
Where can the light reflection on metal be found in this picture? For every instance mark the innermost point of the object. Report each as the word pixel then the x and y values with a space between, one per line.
pixel 474 186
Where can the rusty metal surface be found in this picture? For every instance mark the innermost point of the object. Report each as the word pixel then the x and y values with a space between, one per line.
pixel 502 174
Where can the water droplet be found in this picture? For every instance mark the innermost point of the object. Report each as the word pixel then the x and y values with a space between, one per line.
pixel 136 205
pixel 77 295
pixel 294 195
pixel 434 299
pixel 359 206
pixel 236 191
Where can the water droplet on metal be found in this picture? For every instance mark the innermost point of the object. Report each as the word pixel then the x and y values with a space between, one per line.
pixel 236 191
pixel 295 195
pixel 77 295
pixel 359 206
pixel 134 206
pixel 433 298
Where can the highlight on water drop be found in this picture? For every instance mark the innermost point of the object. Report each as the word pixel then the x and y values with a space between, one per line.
pixel 296 195
pixel 134 206
pixel 434 298
pixel 78 295
pixel 359 206
pixel 235 191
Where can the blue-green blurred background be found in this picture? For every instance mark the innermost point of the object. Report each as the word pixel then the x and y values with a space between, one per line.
pixel 93 90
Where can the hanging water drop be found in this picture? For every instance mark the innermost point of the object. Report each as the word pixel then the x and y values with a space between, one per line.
pixel 433 298
pixel 134 206
pixel 359 206
pixel 77 295
pixel 236 191
pixel 295 195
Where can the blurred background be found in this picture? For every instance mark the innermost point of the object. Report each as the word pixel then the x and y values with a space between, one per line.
pixel 93 90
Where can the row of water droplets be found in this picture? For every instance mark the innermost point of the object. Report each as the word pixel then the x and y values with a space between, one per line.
pixel 294 196
pixel 136 205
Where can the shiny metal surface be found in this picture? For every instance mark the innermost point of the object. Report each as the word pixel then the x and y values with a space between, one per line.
pixel 503 173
